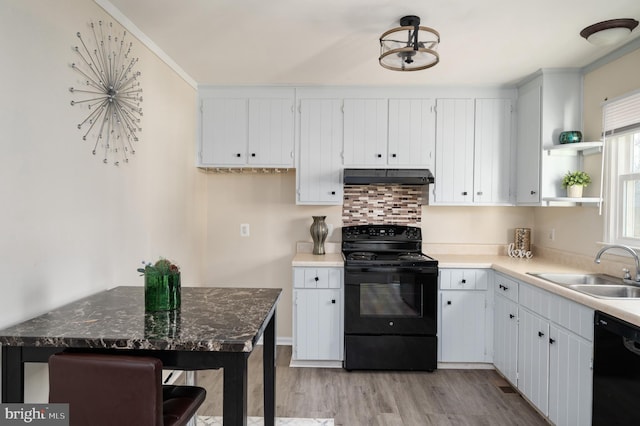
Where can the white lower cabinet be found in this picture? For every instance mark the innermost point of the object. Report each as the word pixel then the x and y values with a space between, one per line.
pixel 463 326
pixel 570 378
pixel 317 316
pixel 544 345
pixel 533 359
pixel 505 333
pixel 466 321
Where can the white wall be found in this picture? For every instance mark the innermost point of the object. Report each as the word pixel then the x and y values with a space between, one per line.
pixel 71 225
pixel 473 225
pixel 267 203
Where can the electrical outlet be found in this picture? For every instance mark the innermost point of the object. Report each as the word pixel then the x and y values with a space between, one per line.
pixel 244 229
pixel 552 234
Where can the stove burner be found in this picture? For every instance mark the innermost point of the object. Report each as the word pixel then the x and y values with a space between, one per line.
pixel 411 256
pixel 362 255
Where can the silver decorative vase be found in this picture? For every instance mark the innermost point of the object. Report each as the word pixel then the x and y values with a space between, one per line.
pixel 319 231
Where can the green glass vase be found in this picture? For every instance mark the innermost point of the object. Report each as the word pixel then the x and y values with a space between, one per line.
pixel 161 292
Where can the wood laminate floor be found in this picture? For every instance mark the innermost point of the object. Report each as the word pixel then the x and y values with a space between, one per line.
pixel 444 397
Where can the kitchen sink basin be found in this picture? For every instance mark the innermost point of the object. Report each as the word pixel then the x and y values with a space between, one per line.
pixel 571 279
pixel 623 291
pixel 596 285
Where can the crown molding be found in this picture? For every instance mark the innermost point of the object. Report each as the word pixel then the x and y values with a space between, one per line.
pixel 144 39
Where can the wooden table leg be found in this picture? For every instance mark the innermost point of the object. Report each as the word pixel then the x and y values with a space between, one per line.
pixel 269 371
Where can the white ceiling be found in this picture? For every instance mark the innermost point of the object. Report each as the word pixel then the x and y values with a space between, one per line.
pixel 335 42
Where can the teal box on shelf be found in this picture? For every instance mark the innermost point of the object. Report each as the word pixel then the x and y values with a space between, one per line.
pixel 572 136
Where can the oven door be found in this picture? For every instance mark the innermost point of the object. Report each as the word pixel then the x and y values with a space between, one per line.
pixel 391 300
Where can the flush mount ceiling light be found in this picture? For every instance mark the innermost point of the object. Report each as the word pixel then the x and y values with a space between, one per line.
pixel 409 47
pixel 609 32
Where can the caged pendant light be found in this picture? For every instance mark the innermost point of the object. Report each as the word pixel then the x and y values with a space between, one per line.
pixel 409 47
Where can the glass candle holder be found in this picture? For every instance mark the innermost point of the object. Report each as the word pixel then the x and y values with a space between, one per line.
pixel 161 292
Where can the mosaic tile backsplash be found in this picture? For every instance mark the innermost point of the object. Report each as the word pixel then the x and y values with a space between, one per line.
pixel 379 204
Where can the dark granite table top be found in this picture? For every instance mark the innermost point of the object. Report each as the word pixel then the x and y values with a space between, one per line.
pixel 210 319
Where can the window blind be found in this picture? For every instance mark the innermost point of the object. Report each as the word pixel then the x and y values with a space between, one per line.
pixel 622 114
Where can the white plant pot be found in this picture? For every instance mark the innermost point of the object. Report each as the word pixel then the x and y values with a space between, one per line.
pixel 574 191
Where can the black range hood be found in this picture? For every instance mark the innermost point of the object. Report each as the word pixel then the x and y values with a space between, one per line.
pixel 399 176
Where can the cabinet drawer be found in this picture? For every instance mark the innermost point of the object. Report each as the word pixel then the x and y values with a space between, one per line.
pixel 464 279
pixel 317 277
pixel 506 287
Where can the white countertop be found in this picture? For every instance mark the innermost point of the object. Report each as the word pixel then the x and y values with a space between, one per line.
pixel 318 260
pixel 628 310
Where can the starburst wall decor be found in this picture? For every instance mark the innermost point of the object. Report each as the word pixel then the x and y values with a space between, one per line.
pixel 110 91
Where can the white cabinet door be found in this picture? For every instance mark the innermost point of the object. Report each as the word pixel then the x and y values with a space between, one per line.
pixel 412 132
pixel 271 132
pixel 319 172
pixel 462 337
pixel 570 378
pixel 529 148
pixel 505 346
pixel 365 132
pixel 454 151
pixel 533 359
pixel 318 330
pixel 492 151
pixel 224 131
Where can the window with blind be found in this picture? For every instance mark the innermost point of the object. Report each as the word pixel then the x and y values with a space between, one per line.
pixel 621 124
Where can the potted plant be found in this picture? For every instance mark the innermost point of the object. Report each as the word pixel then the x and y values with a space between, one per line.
pixel 575 182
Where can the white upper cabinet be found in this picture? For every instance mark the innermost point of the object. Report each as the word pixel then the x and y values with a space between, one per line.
pixel 224 131
pixel 547 105
pixel 246 127
pixel 473 151
pixel 492 151
pixel 271 132
pixel 412 135
pixel 528 143
pixel 454 151
pixel 319 171
pixel 365 132
pixel 389 132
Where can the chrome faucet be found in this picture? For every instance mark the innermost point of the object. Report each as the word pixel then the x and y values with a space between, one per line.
pixel 633 254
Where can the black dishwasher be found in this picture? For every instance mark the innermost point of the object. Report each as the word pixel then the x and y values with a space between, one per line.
pixel 616 371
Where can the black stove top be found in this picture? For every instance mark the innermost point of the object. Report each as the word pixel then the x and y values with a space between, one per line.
pixel 382 245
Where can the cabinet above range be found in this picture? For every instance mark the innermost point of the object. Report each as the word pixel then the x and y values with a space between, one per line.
pixel 389 132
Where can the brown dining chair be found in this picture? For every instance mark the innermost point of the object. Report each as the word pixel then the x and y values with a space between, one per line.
pixel 110 390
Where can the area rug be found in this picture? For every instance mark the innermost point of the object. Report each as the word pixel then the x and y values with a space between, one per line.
pixel 259 421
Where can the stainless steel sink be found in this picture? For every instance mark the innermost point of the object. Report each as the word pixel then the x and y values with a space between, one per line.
pixel 613 291
pixel 596 285
pixel 571 279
